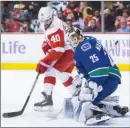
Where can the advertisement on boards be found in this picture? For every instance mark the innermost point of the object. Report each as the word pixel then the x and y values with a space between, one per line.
pixel 26 48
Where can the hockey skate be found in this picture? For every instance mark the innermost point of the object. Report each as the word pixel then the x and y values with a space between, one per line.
pixel 45 104
pixel 98 117
pixel 114 111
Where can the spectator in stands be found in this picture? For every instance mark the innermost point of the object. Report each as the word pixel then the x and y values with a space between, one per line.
pixel 84 8
pixel 92 27
pixel 26 27
pixel 124 27
pixel 21 5
pixel 60 15
pixel 96 5
pixel 127 10
pixel 120 9
pixel 4 11
pixel 27 15
pixel 96 14
pixel 12 25
pixel 97 17
pixel 67 12
pixel 88 17
pixel 109 21
pixel 10 6
pixel 72 6
pixel 33 9
pixel 124 15
pixel 77 21
pixel 78 13
pixel 17 13
pixel 108 4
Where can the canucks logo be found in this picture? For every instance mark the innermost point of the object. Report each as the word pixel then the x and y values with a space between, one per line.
pixel 86 47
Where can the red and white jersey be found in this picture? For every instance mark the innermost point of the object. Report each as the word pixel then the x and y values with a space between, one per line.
pixel 57 36
pixel 58 39
pixel 118 19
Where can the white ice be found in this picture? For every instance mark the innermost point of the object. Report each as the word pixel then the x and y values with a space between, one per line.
pixel 15 86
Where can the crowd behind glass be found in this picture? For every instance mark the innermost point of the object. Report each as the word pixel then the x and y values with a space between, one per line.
pixel 21 16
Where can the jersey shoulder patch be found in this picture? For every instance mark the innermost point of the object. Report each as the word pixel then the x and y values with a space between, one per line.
pixel 86 46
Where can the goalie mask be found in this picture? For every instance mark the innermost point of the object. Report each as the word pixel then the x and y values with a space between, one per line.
pixel 76 36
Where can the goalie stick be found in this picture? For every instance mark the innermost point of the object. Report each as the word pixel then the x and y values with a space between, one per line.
pixel 18 113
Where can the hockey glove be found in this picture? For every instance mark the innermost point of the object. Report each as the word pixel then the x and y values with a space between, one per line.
pixel 78 80
pixel 45 47
pixel 42 66
pixel 89 92
pixel 77 83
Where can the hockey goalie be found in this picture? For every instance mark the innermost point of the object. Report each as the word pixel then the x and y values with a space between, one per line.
pixel 99 77
pixel 58 62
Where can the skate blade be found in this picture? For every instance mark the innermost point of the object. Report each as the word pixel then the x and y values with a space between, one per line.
pixel 92 121
pixel 43 109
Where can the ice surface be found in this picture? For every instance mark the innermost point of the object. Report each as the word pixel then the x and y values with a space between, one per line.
pixel 15 86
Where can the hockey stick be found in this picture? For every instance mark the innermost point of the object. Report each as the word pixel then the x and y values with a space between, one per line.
pixel 18 113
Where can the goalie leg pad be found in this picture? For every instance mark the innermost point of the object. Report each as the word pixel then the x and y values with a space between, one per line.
pixel 112 98
pixel 113 109
pixel 86 110
pixel 68 108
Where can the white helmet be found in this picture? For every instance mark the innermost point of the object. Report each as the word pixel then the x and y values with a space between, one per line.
pixel 45 15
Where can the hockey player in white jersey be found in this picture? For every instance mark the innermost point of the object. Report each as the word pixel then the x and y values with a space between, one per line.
pixel 58 61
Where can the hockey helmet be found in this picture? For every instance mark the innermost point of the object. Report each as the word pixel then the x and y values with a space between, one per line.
pixel 45 15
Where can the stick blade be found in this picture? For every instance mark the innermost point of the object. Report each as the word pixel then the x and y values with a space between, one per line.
pixel 12 114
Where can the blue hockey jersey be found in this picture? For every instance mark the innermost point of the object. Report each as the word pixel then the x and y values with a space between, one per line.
pixel 92 60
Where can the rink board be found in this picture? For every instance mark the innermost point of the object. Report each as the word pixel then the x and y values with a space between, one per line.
pixel 23 51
